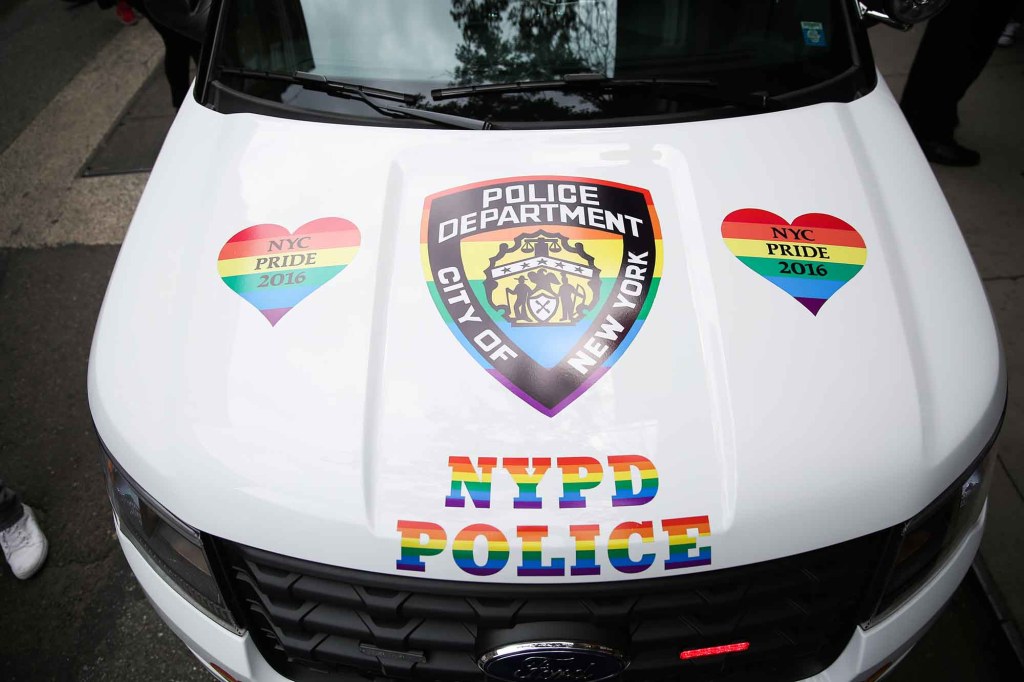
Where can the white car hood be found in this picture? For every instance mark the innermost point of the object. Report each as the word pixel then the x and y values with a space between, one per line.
pixel 344 430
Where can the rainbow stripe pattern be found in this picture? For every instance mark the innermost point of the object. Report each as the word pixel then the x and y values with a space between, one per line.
pixel 532 564
pixel 274 269
pixel 419 539
pixel 550 347
pixel 680 542
pixel 477 483
pixel 585 536
pixel 526 482
pixel 497 549
pixel 578 474
pixel 618 546
pixel 622 466
pixel 810 259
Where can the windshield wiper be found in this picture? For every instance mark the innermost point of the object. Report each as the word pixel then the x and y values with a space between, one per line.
pixel 699 88
pixel 362 93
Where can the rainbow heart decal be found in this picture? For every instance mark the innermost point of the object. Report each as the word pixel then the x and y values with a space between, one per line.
pixel 810 259
pixel 274 269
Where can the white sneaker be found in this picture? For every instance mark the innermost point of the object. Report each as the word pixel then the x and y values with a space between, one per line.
pixel 1009 36
pixel 24 545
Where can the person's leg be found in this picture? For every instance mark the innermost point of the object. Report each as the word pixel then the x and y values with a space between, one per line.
pixel 176 63
pixel 955 48
pixel 187 18
pixel 10 507
pixel 194 49
pixel 987 23
pixel 936 79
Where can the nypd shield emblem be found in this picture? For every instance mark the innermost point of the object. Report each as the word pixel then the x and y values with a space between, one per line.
pixel 546 280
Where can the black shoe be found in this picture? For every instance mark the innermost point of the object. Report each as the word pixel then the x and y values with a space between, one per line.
pixel 949 153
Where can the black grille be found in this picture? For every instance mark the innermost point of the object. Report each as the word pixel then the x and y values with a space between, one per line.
pixel 317 622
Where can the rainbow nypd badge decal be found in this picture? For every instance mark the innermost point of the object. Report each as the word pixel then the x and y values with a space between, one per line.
pixel 545 280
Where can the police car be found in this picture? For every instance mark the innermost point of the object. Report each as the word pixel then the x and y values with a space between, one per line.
pixel 545 339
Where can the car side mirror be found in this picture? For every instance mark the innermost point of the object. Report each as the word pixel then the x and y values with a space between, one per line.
pixel 901 14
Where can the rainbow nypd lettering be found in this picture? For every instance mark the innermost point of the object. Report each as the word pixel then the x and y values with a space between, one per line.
pixel 578 474
pixel 623 466
pixel 477 483
pixel 555 550
pixel 545 280
pixel 810 259
pixel 274 269
pixel 527 478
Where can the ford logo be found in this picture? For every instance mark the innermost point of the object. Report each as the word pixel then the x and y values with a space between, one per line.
pixel 568 661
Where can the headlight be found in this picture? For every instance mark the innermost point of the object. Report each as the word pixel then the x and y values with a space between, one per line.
pixel 174 549
pixel 928 538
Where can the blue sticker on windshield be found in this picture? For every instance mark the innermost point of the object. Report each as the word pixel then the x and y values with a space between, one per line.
pixel 814 33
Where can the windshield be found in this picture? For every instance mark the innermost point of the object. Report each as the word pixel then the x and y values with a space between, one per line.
pixel 598 56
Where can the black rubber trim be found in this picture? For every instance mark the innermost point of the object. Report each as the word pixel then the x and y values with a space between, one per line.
pixel 204 71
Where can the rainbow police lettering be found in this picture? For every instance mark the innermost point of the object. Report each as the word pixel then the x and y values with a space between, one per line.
pixel 497 549
pixel 680 542
pixel 586 549
pixel 545 550
pixel 532 564
pixel 419 539
pixel 618 546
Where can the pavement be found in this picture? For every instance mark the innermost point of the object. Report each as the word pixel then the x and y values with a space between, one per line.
pixel 33 73
pixel 84 617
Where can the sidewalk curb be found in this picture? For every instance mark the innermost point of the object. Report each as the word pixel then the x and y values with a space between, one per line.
pixel 42 201
pixel 999 607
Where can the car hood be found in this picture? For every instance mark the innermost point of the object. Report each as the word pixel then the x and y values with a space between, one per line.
pixel 726 414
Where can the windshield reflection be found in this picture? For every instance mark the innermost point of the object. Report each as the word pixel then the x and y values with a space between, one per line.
pixel 419 45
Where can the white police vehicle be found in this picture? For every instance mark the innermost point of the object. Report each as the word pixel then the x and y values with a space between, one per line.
pixel 545 339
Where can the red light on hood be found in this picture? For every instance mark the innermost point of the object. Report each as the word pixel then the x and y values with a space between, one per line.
pixel 714 650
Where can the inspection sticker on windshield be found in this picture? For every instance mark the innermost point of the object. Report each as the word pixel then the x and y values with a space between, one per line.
pixel 545 280
pixel 274 269
pixel 814 33
pixel 810 259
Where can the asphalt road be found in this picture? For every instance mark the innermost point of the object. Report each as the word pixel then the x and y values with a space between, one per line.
pixel 43 44
pixel 83 617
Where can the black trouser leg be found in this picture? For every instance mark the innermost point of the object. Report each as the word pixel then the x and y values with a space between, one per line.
pixel 177 51
pixel 176 62
pixel 955 48
pixel 10 507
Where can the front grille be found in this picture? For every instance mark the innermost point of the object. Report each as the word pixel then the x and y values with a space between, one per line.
pixel 317 622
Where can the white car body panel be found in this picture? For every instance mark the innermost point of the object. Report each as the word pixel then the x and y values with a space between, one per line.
pixel 313 437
